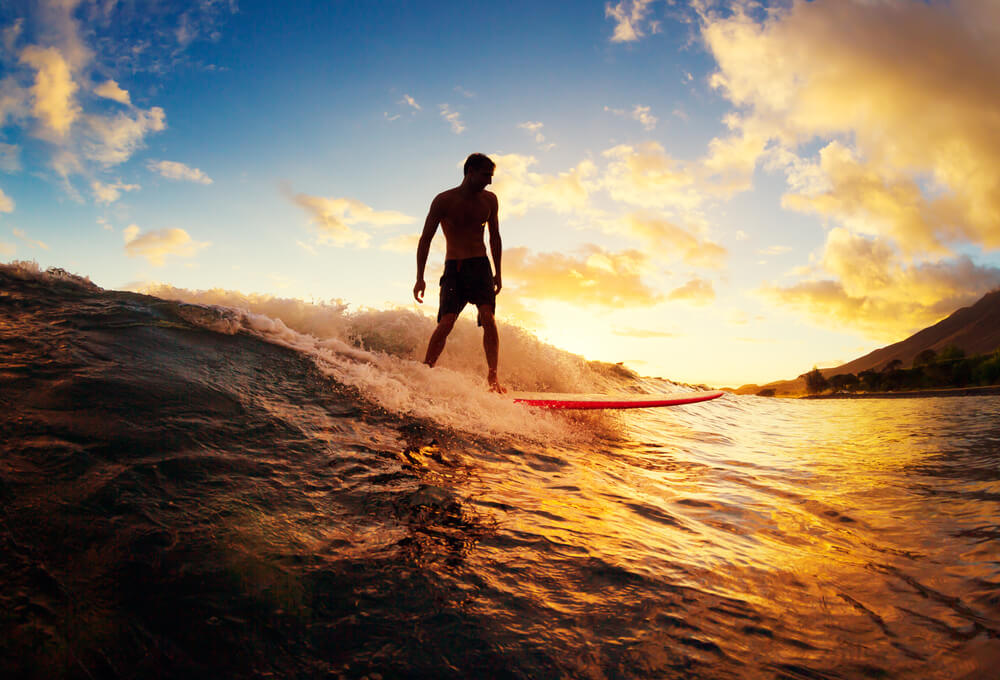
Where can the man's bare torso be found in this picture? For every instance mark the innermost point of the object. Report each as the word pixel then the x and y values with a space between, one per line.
pixel 463 220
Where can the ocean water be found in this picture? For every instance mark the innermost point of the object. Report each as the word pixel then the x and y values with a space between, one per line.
pixel 213 485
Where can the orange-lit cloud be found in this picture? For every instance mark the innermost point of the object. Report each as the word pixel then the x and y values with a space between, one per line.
pixel 872 290
pixel 520 189
pixel 646 176
pixel 334 217
pixel 155 246
pixel 912 86
pixel 696 291
pixel 53 100
pixel 179 171
pixel 593 277
pixel 666 240
pixel 109 89
pixel 902 98
pixel 642 333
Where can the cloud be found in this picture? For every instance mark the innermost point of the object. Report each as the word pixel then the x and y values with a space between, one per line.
pixel 867 200
pixel 465 93
pixel 453 118
pixel 667 241
pixel 109 89
pixel 629 16
pixel 903 94
pixel 639 113
pixel 179 171
pixel 642 333
pixel 155 246
pixel 647 176
pixel 334 217
pixel 14 101
pixel 6 203
pixel 30 241
pixel 520 189
pixel 696 291
pixel 534 128
pixel 10 157
pixel 7 249
pixel 594 277
pixel 642 114
pixel 109 193
pixel 112 140
pixel 870 288
pixel 52 94
pixel 774 250
pixel 410 101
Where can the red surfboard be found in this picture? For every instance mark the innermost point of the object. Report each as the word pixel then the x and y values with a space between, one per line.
pixel 553 400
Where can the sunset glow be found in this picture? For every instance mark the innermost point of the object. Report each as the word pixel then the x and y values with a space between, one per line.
pixel 712 192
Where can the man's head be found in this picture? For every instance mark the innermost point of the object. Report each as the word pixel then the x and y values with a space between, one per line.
pixel 478 171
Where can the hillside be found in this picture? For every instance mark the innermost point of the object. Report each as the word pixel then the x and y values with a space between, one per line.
pixel 975 329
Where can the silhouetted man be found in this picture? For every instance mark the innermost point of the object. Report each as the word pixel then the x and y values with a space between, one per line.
pixel 462 213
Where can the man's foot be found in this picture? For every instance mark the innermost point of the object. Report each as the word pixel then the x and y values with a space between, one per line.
pixel 495 385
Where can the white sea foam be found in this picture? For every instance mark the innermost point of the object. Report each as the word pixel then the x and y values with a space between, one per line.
pixel 380 353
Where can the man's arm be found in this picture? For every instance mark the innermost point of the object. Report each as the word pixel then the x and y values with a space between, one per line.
pixel 496 247
pixel 424 246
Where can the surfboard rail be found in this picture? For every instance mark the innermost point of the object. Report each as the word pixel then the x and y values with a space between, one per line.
pixel 554 400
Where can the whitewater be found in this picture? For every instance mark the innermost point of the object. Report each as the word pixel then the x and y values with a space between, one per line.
pixel 207 484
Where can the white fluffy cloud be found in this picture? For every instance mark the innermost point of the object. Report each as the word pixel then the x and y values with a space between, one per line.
pixel 156 245
pixel 109 193
pixel 454 119
pixel 630 19
pixel 179 171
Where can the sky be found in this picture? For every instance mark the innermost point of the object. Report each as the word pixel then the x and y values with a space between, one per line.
pixel 714 192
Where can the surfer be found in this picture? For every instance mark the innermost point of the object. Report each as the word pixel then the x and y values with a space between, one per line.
pixel 462 213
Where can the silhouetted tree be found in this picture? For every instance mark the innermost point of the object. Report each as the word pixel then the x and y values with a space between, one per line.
pixel 815 382
pixel 951 353
pixel 893 365
pixel 844 381
pixel 870 380
pixel 928 356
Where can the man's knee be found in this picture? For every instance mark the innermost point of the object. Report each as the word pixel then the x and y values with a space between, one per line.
pixel 486 318
pixel 447 322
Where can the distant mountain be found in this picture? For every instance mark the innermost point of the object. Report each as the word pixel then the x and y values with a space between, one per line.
pixel 975 329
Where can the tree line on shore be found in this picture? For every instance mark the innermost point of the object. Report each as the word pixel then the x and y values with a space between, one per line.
pixel 930 370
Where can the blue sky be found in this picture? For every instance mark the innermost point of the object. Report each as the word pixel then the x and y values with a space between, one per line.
pixel 719 192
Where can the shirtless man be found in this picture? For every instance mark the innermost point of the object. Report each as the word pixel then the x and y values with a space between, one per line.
pixel 462 212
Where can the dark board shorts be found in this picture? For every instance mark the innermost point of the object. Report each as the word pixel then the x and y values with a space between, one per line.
pixel 464 282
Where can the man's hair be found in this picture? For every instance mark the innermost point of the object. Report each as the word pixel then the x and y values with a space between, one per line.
pixel 478 161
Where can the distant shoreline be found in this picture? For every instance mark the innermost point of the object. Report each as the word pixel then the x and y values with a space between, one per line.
pixel 947 392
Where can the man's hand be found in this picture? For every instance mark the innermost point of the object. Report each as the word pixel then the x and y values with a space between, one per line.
pixel 497 284
pixel 418 291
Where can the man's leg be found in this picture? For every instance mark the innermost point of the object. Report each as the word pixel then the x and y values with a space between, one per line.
pixel 438 338
pixel 491 345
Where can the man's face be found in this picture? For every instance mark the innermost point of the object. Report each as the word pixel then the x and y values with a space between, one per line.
pixel 481 178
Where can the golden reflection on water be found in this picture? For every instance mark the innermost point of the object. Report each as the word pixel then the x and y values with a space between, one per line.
pixel 827 515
